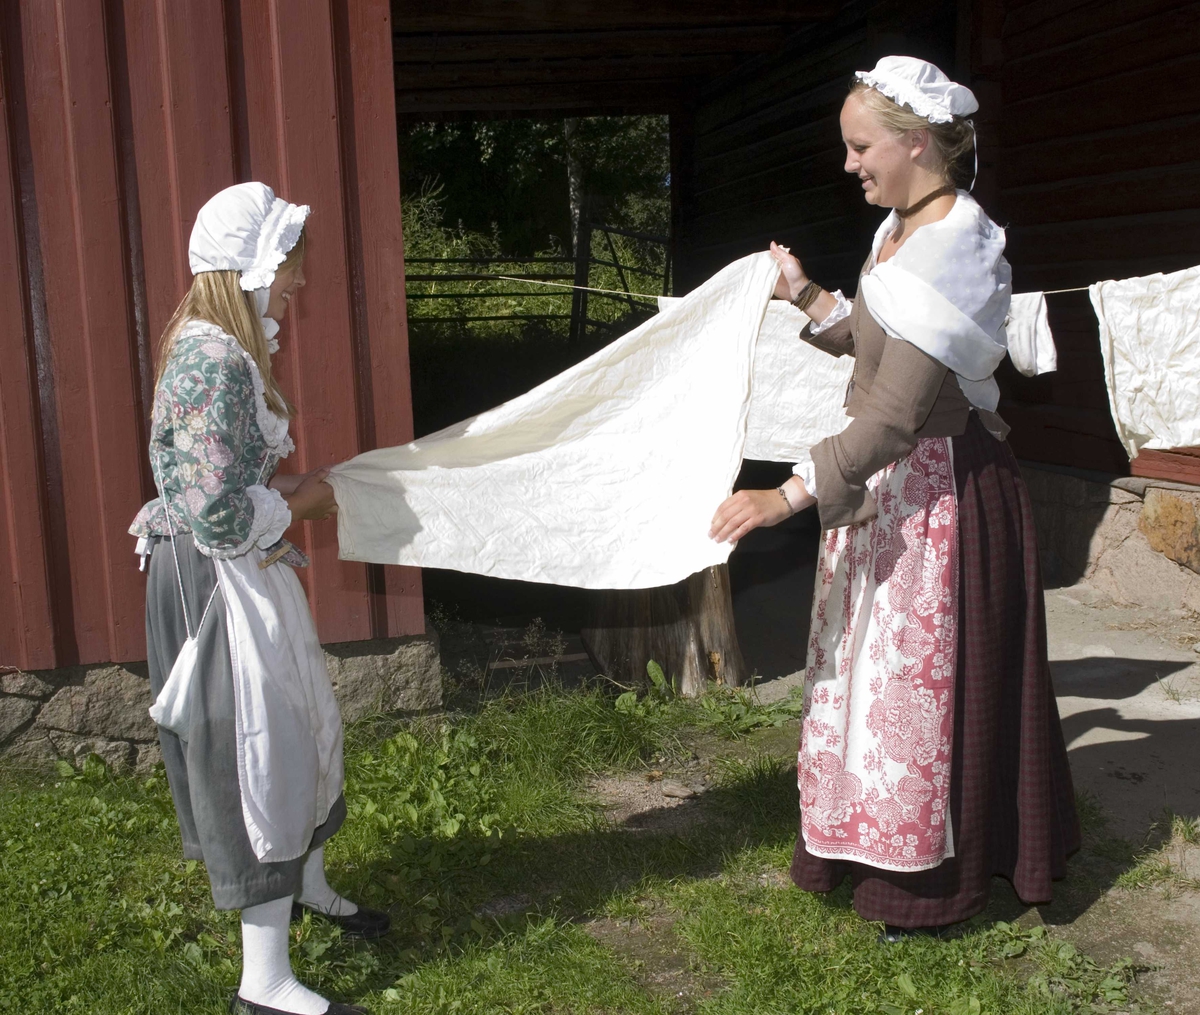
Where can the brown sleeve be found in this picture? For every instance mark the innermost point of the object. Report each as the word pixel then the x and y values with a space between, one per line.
pixel 904 391
pixel 837 339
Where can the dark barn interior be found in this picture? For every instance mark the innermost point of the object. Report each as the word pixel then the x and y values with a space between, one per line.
pixel 1072 161
pixel 1089 148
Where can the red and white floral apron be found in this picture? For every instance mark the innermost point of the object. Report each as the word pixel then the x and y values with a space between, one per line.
pixel 874 762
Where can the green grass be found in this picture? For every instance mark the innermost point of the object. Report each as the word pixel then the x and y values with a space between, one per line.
pixel 99 914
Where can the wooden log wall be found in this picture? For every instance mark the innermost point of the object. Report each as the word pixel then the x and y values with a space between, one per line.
pixel 1097 177
pixel 1089 134
pixel 117 121
pixel 763 155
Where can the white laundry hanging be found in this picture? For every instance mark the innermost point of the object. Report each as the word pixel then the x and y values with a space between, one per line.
pixel 606 476
pixel 1030 342
pixel 1150 339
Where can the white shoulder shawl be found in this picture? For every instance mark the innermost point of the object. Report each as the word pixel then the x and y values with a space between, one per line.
pixel 947 291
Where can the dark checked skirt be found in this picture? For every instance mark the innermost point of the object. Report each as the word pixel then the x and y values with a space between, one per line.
pixel 1011 800
pixel 202 771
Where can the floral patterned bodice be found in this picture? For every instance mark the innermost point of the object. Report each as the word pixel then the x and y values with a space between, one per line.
pixel 214 445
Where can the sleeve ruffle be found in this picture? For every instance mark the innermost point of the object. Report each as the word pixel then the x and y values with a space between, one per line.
pixel 271 517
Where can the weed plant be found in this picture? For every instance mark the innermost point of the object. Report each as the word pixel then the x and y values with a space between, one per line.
pixel 477 833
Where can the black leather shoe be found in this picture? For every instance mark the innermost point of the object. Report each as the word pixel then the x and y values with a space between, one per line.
pixel 240 1006
pixel 366 923
pixel 891 935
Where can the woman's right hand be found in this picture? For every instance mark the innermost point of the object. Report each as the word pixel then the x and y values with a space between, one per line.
pixel 791 277
pixel 313 498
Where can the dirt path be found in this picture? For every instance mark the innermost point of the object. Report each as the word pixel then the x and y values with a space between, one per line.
pixel 1128 685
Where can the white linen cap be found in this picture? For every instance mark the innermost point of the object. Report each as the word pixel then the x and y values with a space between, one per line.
pixel 921 86
pixel 245 228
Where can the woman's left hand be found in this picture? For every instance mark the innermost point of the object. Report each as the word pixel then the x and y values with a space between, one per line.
pixel 792 277
pixel 747 510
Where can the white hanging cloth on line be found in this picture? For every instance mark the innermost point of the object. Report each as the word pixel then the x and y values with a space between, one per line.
pixel 606 476
pixel 1150 339
pixel 1030 343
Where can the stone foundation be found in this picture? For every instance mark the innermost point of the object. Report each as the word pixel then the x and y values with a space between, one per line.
pixel 75 711
pixel 1136 540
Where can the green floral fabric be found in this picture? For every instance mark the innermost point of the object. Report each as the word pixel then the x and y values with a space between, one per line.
pixel 214 444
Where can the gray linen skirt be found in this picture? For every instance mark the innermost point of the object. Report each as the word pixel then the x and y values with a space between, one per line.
pixel 202 771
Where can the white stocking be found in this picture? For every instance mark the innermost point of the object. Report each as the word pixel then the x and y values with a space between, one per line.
pixel 315 892
pixel 267 976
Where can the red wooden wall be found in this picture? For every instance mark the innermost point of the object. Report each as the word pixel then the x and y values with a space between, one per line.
pixel 118 119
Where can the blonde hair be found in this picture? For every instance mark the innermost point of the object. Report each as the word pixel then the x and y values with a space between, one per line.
pixel 951 142
pixel 218 297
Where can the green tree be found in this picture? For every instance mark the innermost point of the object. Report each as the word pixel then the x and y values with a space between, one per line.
pixel 509 178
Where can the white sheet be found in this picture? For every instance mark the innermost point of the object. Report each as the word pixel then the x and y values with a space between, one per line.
pixel 606 476
pixel 797 392
pixel 1150 338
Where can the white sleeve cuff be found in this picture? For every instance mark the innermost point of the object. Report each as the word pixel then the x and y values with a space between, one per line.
pixel 808 475
pixel 838 313
pixel 271 517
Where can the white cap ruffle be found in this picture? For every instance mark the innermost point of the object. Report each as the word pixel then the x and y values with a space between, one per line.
pixel 245 228
pixel 921 86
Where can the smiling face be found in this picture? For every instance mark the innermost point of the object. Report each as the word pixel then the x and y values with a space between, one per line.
pixel 885 161
pixel 288 281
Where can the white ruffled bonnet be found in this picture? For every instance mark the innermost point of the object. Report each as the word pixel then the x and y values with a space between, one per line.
pixel 245 228
pixel 921 86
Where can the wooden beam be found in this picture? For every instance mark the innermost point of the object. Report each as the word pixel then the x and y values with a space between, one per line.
pixel 552 73
pixel 587 15
pixel 1179 465
pixel 610 97
pixel 489 47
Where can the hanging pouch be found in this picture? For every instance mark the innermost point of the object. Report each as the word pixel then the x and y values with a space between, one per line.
pixel 172 708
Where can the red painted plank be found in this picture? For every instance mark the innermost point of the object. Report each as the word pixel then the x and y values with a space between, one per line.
pixel 26 617
pixel 294 129
pixel 372 193
pixel 1181 465
pixel 73 143
pixel 183 135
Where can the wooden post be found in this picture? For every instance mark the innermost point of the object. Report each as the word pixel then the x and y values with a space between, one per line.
pixel 686 628
pixel 583 260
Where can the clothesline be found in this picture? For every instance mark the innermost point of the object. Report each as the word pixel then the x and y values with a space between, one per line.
pixel 583 288
pixel 648 296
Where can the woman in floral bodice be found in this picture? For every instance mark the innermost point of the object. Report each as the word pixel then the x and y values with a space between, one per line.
pixel 254 759
pixel 931 755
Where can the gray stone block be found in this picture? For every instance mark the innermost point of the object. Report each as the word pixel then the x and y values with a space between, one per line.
pixel 29 685
pixel 387 675
pixel 109 701
pixel 15 713
pixel 118 755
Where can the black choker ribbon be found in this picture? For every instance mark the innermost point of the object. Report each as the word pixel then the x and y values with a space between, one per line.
pixel 925 201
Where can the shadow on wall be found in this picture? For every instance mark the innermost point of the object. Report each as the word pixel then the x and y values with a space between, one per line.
pixel 1069 508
